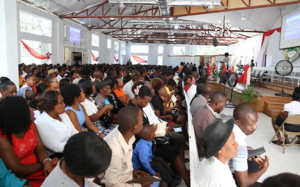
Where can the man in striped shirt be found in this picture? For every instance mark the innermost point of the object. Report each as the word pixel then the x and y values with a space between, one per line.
pixel 246 173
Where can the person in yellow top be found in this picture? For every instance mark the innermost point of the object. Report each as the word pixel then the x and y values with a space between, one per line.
pixel 21 82
pixel 170 88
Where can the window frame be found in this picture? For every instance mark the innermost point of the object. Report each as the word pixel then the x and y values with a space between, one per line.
pixel 22 22
pixel 93 40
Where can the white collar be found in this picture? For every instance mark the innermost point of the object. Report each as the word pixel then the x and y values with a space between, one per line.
pixel 212 111
pixel 239 134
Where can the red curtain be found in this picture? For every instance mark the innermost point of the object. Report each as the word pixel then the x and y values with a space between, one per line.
pixel 34 53
pixel 138 59
pixel 269 33
pixel 94 58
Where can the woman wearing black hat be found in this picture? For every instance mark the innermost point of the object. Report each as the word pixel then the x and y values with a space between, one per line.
pixel 219 146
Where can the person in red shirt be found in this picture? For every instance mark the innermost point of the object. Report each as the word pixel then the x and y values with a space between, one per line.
pixel 188 82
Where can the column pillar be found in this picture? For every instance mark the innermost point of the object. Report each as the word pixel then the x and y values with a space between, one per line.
pixel 9 40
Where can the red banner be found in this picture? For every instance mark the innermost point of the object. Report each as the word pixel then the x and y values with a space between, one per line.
pixel 243 78
pixel 36 54
pixel 208 69
pixel 93 57
pixel 116 60
pixel 138 59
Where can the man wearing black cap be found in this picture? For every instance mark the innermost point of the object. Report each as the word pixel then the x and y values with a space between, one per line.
pixel 218 147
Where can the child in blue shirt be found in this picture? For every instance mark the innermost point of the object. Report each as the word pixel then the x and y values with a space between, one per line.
pixel 143 158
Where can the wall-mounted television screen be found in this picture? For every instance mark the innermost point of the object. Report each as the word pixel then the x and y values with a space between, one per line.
pixel 74 35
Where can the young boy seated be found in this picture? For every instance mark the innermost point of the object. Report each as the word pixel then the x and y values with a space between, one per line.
pixel 143 158
pixel 120 172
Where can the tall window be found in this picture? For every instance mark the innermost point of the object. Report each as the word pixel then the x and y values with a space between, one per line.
pixel 33 24
pixel 95 40
pixel 178 50
pixel 116 46
pixel 160 60
pixel 139 49
pixel 160 49
pixel 96 54
pixel 39 47
pixel 108 43
pixel 208 51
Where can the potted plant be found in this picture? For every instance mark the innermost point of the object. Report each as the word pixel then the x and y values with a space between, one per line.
pixel 248 95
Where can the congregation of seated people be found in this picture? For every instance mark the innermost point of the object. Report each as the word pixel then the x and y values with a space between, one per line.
pixel 95 125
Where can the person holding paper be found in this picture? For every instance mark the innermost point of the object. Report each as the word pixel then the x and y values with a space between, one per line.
pixel 246 173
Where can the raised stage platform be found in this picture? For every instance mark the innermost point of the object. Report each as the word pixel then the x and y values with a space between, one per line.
pixel 268 103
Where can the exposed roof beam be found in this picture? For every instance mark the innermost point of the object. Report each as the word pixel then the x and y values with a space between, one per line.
pixel 233 6
pixel 171 29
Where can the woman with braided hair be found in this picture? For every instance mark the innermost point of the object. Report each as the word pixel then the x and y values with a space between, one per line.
pixel 21 148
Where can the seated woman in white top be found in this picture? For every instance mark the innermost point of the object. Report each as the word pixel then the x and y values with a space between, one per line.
pixel 219 146
pixel 54 125
pixel 94 113
pixel 86 155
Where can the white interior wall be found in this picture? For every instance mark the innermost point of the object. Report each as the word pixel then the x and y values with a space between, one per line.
pixel 58 40
pixel 190 52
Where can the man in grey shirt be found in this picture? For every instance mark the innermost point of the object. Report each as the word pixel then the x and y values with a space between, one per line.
pixel 226 60
pixel 204 92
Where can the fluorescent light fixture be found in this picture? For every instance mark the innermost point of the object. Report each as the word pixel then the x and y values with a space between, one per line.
pixel 176 27
pixel 243 17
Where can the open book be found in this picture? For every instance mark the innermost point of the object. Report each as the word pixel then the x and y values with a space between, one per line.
pixel 161 130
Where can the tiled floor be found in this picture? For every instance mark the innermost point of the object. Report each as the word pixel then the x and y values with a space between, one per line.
pixel 278 162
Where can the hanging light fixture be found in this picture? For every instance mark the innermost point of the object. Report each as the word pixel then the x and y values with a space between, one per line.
pixel 223 28
pixel 89 25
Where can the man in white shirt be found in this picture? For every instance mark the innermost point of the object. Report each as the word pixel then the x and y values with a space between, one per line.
pixel 61 75
pixel 291 108
pixel 120 172
pixel 218 147
pixel 127 87
pixel 246 172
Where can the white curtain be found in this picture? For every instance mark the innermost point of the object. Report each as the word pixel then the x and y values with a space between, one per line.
pixel 262 51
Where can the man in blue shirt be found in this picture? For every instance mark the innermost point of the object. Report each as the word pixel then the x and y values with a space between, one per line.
pixel 143 158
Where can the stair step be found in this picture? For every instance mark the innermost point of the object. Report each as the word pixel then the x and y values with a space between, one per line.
pixel 274 105
pixel 271 113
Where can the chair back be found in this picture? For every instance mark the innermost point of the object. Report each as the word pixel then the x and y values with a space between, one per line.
pixel 293 119
pixel 193 151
